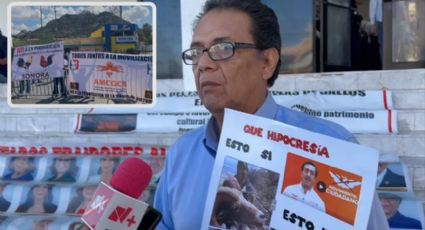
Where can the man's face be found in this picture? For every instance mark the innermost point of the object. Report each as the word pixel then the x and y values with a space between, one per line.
pixel 308 176
pixel 390 206
pixel 242 172
pixel 233 83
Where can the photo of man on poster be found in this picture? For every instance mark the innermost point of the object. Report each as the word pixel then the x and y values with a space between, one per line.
pixel 388 178
pixel 391 203
pixel 304 191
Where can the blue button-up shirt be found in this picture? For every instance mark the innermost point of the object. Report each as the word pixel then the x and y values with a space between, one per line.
pixel 183 187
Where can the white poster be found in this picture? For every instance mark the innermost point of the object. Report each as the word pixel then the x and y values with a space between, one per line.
pixel 111 75
pixel 38 62
pixel 278 162
pixel 189 101
pixel 359 111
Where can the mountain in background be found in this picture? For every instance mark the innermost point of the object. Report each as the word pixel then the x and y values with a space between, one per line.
pixel 72 26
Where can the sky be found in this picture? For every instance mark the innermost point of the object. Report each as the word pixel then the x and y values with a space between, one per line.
pixel 28 17
pixel 5 3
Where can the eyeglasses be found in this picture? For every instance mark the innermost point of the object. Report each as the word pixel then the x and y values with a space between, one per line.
pixel 217 52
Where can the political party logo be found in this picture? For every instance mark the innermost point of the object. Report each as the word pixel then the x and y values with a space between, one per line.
pixel 344 182
pixel 110 69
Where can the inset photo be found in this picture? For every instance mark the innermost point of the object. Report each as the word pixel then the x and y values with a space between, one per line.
pixel 82 54
pixel 245 197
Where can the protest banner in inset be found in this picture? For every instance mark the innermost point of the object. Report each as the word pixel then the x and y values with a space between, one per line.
pixel 38 62
pixel 112 75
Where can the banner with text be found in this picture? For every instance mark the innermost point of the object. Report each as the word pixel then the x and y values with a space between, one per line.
pixel 38 62
pixel 111 75
pixel 292 178
pixel 188 101
pixel 380 121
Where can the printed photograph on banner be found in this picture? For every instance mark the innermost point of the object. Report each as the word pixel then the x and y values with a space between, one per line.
pixel 40 222
pixel 391 177
pixel 6 196
pixel 78 225
pixel 321 186
pixel 38 199
pixel 81 199
pixel 245 197
pixel 107 123
pixel 402 212
pixel 32 222
pixel 20 168
pixel 63 169
pixel 82 54
pixel 102 169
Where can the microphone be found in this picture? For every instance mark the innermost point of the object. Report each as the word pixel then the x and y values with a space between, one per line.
pixel 117 206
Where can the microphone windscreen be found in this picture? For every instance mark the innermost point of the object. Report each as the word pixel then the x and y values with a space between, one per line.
pixel 132 177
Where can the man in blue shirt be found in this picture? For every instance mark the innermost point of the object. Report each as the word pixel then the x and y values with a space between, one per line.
pixel 391 203
pixel 235 57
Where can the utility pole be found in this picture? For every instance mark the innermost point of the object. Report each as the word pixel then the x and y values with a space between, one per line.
pixel 41 18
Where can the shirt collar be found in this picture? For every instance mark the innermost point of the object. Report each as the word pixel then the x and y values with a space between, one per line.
pixel 268 110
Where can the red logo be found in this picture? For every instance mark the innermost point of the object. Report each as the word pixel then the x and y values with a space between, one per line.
pixel 19 50
pixel 120 215
pixel 110 69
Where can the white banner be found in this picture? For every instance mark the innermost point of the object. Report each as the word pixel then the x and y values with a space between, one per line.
pixel 83 150
pixel 37 62
pixel 337 99
pixel 188 101
pixel 279 162
pixel 111 74
pixel 183 111
pixel 354 121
